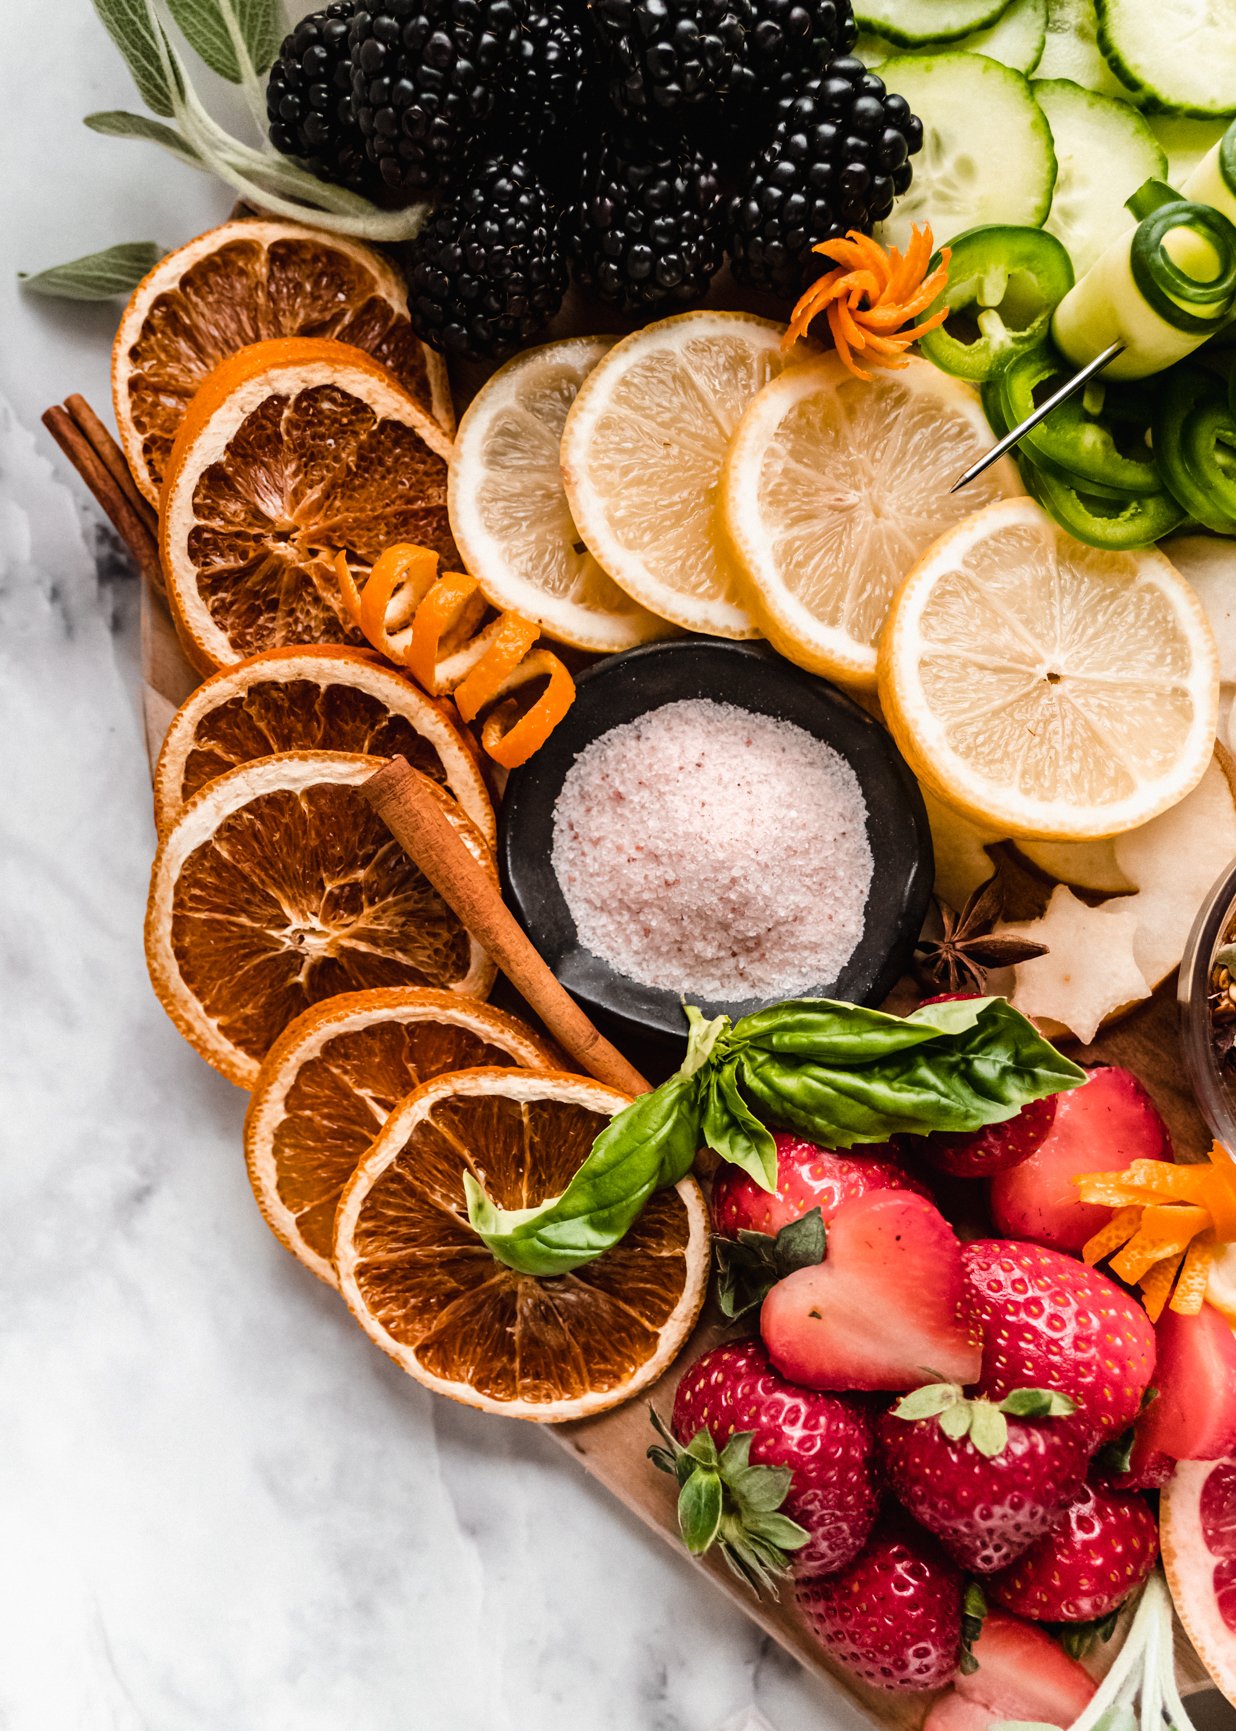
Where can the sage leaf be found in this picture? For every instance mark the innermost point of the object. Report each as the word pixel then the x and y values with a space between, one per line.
pixel 117 123
pixel 700 1506
pixel 99 276
pixel 135 30
pixel 228 33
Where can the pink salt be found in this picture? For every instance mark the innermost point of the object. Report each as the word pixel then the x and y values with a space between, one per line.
pixel 714 852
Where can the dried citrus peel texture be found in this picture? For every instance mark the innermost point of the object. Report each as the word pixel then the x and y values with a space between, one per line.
pixel 432 625
pixel 871 297
pixel 1168 1222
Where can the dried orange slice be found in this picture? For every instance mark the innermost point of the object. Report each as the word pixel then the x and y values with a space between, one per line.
pixel 243 283
pixel 278 886
pixel 290 453
pixel 330 1081
pixel 313 699
pixel 427 1290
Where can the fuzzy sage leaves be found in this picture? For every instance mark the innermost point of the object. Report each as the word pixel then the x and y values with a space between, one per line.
pixel 839 1073
pixel 98 276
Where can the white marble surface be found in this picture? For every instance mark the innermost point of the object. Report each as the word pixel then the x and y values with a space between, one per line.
pixel 219 1506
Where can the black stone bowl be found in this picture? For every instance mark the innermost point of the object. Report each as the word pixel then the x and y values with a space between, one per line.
pixel 750 675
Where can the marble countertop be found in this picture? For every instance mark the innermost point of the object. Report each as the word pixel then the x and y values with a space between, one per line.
pixel 220 1506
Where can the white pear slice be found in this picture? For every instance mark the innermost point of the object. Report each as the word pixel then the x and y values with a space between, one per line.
pixel 1086 865
pixel 1208 564
pixel 1090 968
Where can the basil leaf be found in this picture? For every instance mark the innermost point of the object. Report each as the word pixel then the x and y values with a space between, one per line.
pixel 116 123
pixel 134 29
pixel 649 1145
pixel 226 33
pixel 732 1130
pixel 99 276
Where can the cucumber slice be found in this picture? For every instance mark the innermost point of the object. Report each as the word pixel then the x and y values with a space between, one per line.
pixel 1104 151
pixel 987 153
pixel 1071 49
pixel 1186 142
pixel 1015 39
pixel 1182 56
pixel 910 23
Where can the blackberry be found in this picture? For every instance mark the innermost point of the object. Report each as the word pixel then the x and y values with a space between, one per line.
pixel 788 42
pixel 309 99
pixel 838 158
pixel 425 77
pixel 647 222
pixel 668 54
pixel 545 86
pixel 486 272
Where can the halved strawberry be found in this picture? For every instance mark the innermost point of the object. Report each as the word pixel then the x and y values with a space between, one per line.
pixel 1022 1675
pixel 1101 1549
pixel 1193 1417
pixel 1102 1126
pixel 887 1304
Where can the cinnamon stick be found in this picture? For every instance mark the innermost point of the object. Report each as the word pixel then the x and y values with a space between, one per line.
pixel 93 464
pixel 113 459
pixel 415 819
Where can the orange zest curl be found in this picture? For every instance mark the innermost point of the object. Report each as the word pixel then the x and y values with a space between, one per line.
pixel 871 297
pixel 432 625
pixel 1168 1222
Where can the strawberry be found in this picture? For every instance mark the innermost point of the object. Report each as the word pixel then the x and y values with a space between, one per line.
pixel 808 1176
pixel 888 1300
pixel 826 1440
pixel 1051 1322
pixel 1102 1548
pixel 1193 1417
pixel 894 1617
pixel 982 1153
pixel 987 1480
pixel 1020 1674
pixel 1102 1126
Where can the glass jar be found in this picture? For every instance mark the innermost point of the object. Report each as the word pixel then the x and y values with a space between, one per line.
pixel 1213 1082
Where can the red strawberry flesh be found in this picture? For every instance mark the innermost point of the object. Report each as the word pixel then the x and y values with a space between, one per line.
pixel 886 1307
pixel 1102 1548
pixel 893 1618
pixel 1048 1321
pixel 1023 1675
pixel 808 1176
pixel 1102 1126
pixel 826 1440
pixel 1193 1417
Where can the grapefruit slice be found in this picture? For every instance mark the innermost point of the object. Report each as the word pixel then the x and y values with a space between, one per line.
pixel 426 1289
pixel 1197 1530
pixel 310 698
pixel 328 1084
pixel 247 282
pixel 290 453
pixel 277 886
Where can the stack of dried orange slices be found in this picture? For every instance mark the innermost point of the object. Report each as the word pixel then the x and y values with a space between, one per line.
pixel 270 394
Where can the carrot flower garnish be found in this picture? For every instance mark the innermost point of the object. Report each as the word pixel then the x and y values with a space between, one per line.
pixel 871 297
pixel 1168 1222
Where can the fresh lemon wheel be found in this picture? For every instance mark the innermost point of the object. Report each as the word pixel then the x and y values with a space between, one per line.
pixel 642 453
pixel 247 282
pixel 834 487
pixel 428 1291
pixel 1044 688
pixel 509 513
pixel 331 1080
pixel 278 886
pixel 1197 1529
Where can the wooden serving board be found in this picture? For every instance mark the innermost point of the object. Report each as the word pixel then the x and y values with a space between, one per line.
pixel 612 1447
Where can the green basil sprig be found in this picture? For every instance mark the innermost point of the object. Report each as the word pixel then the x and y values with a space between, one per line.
pixel 839 1073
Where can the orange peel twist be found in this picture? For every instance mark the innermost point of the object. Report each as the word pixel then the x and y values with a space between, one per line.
pixel 1167 1225
pixel 871 296
pixel 431 624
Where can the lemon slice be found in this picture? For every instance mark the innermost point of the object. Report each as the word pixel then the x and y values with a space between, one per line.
pixel 1045 688
pixel 834 487
pixel 509 514
pixel 642 451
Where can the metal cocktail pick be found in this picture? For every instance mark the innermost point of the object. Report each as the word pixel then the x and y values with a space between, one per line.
pixel 1066 390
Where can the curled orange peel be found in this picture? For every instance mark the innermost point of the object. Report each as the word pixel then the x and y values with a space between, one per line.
pixel 432 625
pixel 871 297
pixel 1168 1223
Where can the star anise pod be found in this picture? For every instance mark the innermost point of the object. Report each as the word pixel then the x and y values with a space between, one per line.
pixel 958 960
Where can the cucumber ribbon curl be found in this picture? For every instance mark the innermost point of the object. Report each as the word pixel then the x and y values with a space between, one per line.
pixel 839 1073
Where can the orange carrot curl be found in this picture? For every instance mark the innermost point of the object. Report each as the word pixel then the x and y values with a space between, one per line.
pixel 871 296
